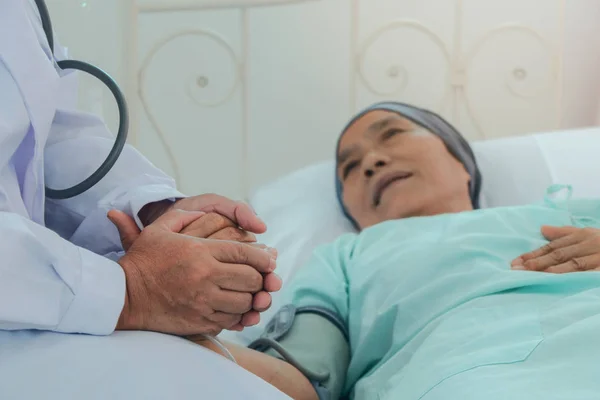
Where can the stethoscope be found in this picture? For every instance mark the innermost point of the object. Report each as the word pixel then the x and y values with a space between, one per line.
pixel 121 139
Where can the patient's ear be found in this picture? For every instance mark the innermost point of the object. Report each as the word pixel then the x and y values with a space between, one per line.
pixel 464 169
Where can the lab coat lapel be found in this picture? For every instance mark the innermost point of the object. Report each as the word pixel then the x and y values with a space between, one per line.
pixel 38 81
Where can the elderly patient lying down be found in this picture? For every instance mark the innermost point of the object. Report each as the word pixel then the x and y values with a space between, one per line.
pixel 436 299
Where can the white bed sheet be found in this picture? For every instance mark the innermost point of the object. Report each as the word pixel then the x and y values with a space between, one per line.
pixel 123 366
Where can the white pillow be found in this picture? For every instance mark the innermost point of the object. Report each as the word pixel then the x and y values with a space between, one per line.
pixel 518 170
pixel 302 212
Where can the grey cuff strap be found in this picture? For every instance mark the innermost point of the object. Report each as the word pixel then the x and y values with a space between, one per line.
pixel 314 341
pixel 282 322
pixel 328 315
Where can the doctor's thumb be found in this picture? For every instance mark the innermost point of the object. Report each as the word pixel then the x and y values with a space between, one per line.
pixel 128 229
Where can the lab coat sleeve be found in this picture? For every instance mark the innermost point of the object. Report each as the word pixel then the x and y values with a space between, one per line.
pixel 77 144
pixel 47 283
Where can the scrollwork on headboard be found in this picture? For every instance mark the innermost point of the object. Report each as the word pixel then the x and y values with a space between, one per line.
pixel 465 69
pixel 397 73
pixel 528 84
pixel 517 75
pixel 193 83
pixel 196 85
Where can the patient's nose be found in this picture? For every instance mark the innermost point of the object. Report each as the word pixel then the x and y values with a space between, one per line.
pixel 373 162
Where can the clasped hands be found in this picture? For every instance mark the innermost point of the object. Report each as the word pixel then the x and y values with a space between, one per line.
pixel 195 268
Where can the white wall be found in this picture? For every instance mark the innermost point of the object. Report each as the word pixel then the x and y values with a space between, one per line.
pixel 237 96
pixel 581 104
pixel 89 31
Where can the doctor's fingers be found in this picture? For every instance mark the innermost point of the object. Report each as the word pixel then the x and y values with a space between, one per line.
pixel 175 220
pixel 242 253
pixel 243 278
pixel 209 224
pixel 250 318
pixel 262 301
pixel 239 212
pixel 235 234
pixel 230 302
pixel 242 214
pixel 216 226
pixel 225 320
pixel 271 250
pixel 272 282
pixel 238 278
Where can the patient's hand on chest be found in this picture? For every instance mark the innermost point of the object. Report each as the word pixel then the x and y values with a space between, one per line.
pixel 569 249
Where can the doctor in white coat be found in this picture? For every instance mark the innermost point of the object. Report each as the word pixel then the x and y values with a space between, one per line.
pixel 62 266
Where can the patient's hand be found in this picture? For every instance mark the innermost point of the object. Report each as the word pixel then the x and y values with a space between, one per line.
pixel 570 250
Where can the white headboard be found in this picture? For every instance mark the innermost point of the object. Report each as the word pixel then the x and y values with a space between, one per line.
pixel 230 94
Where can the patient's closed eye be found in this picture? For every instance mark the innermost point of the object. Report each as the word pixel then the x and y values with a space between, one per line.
pixel 349 168
pixel 391 132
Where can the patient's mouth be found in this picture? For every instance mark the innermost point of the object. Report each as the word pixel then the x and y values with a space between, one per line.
pixel 385 182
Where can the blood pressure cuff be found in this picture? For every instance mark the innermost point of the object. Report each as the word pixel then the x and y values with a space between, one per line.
pixel 315 341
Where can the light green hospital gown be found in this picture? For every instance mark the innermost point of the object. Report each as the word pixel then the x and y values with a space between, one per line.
pixel 435 312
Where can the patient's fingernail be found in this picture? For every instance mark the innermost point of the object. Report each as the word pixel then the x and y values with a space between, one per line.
pixel 517 261
pixel 518 267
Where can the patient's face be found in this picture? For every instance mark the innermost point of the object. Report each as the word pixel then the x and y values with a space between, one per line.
pixel 392 168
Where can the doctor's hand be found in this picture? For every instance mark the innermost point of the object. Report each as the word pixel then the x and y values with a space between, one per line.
pixel 570 249
pixel 238 212
pixel 217 227
pixel 183 285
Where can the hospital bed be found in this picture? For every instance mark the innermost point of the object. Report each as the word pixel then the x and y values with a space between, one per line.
pixel 301 209
pixel 301 212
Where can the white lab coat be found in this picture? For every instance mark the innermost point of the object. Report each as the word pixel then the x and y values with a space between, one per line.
pixel 54 271
pixel 54 275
